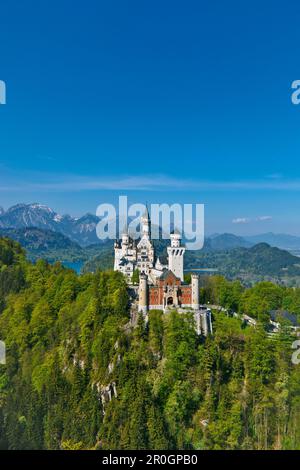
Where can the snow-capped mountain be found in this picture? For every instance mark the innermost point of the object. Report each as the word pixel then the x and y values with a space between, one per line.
pixel 28 215
pixel 82 230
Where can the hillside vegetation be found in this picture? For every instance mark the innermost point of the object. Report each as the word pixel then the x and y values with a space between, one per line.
pixel 68 338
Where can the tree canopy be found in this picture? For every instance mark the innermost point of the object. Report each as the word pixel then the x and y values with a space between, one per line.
pixel 79 377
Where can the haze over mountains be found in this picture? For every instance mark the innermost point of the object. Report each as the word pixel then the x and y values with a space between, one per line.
pixel 280 240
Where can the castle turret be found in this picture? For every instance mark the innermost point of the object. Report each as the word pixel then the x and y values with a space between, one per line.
pixel 143 294
pixel 195 291
pixel 175 255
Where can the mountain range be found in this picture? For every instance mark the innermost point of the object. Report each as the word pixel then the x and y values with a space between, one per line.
pixel 46 234
pixel 82 230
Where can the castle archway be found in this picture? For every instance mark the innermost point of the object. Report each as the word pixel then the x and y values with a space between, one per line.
pixel 170 301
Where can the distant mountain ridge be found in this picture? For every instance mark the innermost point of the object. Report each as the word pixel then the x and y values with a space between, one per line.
pixel 80 230
pixel 225 241
pixel 280 240
pixel 83 230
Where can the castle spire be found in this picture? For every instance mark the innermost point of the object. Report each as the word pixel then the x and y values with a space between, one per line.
pixel 146 224
pixel 146 213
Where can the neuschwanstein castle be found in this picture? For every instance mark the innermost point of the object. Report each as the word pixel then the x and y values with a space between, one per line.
pixel 160 286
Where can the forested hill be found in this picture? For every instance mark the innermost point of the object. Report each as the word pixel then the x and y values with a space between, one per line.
pixel 260 260
pixel 69 342
pixel 47 244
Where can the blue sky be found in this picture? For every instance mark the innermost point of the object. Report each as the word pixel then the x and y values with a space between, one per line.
pixel 162 101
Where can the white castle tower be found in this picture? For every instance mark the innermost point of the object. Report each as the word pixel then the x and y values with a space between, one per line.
pixel 143 294
pixel 125 254
pixel 121 250
pixel 145 249
pixel 195 291
pixel 118 255
pixel 175 255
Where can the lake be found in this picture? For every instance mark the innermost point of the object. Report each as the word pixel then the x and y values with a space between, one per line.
pixel 76 265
